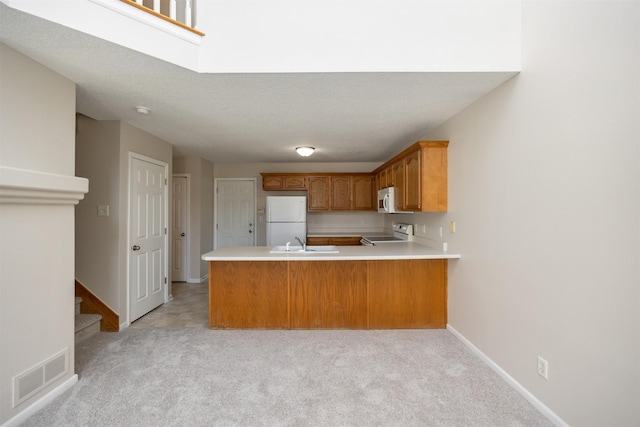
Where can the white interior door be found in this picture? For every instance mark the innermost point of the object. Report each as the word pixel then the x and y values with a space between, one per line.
pixel 235 212
pixel 179 235
pixel 147 237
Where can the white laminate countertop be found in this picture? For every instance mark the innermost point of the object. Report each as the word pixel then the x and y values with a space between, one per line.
pixel 408 250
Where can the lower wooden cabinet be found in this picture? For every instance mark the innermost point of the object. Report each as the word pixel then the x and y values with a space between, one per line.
pixel 367 294
pixel 409 294
pixel 328 295
pixel 248 295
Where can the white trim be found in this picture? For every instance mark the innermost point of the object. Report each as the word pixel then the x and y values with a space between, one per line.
pixel 23 186
pixel 187 263
pixel 42 402
pixel 215 204
pixel 544 409
pixel 150 20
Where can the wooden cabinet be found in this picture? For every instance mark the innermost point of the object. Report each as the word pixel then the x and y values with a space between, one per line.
pixel 398 177
pixel 407 294
pixel 327 191
pixel 318 196
pixel 328 294
pixel 334 240
pixel 283 181
pixel 412 182
pixel 248 295
pixel 364 195
pixel 367 294
pixel 419 175
pixel 341 193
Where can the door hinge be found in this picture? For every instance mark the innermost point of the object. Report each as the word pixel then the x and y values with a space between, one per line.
pixel 165 181
pixel 165 280
pixel 216 226
pixel 165 230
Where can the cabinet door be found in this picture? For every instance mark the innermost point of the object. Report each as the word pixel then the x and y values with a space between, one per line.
pixel 363 193
pixel 398 183
pixel 413 184
pixel 318 187
pixel 294 182
pixel 340 193
pixel 407 294
pixel 328 294
pixel 272 182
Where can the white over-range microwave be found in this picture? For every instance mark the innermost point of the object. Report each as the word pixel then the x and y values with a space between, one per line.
pixel 386 200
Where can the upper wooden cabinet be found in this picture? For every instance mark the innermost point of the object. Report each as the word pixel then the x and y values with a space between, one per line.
pixel 341 193
pixel 327 191
pixel 283 181
pixel 319 196
pixel 364 195
pixel 419 175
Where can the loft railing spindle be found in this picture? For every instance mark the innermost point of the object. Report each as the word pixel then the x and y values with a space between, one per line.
pixel 187 13
pixel 172 9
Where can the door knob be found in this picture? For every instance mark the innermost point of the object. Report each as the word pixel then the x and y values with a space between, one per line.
pixel 250 231
pixel 136 248
pixel 182 234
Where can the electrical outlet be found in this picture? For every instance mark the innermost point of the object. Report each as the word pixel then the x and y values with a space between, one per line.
pixel 543 368
pixel 452 227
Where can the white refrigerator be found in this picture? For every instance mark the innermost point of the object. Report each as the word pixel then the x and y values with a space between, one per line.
pixel 286 219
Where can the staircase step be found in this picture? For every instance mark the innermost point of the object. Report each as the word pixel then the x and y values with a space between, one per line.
pixel 86 326
pixel 78 302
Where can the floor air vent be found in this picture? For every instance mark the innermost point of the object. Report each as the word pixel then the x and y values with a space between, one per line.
pixel 35 379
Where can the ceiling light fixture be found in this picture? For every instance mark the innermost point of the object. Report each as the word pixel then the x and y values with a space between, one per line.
pixel 142 110
pixel 305 151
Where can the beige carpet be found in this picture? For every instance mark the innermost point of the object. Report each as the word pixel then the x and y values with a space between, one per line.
pixel 199 377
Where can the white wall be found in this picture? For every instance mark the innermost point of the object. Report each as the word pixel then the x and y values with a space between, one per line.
pixel 37 114
pixel 544 187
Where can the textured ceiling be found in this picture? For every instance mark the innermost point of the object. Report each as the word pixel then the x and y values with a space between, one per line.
pixel 348 117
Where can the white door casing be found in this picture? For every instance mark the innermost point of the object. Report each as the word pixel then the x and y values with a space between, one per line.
pixel 235 223
pixel 147 235
pixel 180 226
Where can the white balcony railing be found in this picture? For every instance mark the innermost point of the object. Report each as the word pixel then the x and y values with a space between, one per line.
pixel 178 12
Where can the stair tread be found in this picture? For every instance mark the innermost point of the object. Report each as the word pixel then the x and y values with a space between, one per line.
pixel 85 320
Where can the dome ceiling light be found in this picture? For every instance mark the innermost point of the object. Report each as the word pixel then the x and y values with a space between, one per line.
pixel 305 151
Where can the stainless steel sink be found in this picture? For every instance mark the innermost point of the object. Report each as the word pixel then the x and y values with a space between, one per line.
pixel 328 249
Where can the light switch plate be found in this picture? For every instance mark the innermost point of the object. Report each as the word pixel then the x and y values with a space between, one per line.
pixel 103 210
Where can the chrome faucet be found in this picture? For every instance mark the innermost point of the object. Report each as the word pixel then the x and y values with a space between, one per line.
pixel 303 243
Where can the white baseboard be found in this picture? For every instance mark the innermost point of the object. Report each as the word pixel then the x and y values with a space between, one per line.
pixel 200 280
pixel 544 409
pixel 42 402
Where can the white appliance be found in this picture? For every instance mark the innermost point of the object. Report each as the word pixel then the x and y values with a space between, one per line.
pixel 402 233
pixel 286 219
pixel 386 200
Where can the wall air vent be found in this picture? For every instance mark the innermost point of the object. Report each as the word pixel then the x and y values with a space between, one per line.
pixel 38 377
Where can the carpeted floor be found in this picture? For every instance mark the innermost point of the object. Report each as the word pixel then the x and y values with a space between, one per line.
pixel 201 377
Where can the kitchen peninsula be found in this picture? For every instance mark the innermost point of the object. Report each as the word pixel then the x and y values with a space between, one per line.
pixel 360 287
